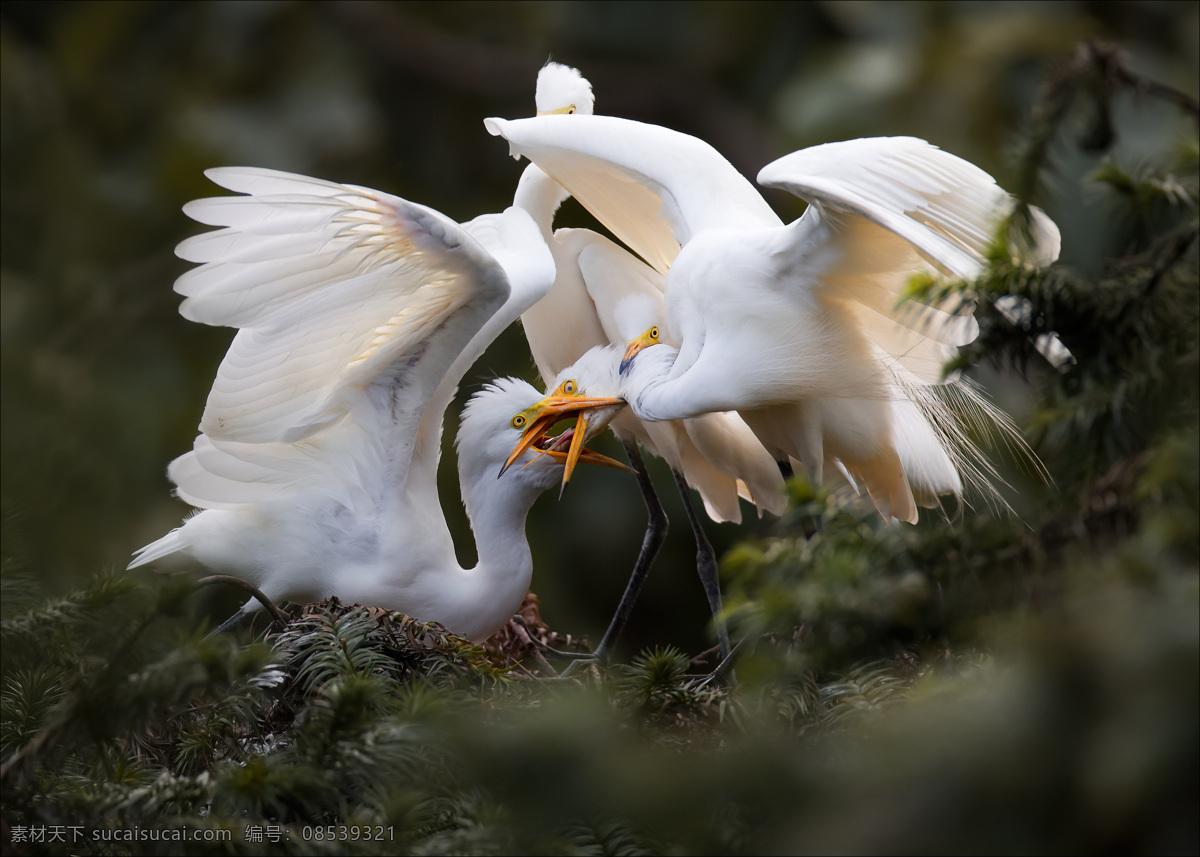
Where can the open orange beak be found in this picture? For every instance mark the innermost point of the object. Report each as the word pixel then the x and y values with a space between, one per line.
pixel 592 415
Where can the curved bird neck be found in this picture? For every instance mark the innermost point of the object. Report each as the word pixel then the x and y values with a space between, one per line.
pixel 497 509
pixel 540 196
pixel 657 389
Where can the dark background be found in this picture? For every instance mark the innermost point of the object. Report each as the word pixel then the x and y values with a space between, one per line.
pixel 110 112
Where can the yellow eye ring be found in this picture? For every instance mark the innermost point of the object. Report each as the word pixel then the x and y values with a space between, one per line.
pixel 518 421
pixel 570 109
pixel 654 333
pixel 569 387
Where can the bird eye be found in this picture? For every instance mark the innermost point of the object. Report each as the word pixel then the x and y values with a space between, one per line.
pixel 518 421
pixel 654 334
pixel 570 109
pixel 569 387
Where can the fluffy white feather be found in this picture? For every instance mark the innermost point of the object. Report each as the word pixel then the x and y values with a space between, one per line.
pixel 316 463
pixel 801 328
pixel 600 294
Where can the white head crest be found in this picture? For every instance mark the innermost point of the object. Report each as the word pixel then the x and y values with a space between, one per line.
pixel 560 88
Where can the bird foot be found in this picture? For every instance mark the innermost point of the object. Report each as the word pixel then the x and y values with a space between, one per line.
pixel 546 649
pixel 577 659
pixel 723 674
pixel 594 660
pixel 239 619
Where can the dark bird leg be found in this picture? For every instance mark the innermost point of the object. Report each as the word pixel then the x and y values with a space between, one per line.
pixel 706 565
pixel 656 534
pixel 810 524
pixel 242 616
pixel 237 620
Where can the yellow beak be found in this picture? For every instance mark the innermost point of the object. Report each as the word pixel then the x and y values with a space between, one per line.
pixel 592 416
pixel 650 337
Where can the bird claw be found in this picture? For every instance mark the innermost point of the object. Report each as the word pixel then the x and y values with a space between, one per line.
pixel 577 659
pixel 544 647
pixel 594 659
pixel 723 674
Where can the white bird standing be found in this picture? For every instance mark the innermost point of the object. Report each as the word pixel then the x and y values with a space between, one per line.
pixel 315 467
pixel 602 294
pixel 801 328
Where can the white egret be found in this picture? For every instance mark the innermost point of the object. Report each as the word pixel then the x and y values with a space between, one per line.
pixel 801 328
pixel 358 314
pixel 603 294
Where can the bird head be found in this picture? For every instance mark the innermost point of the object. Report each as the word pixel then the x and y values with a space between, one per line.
pixel 651 336
pixel 562 89
pixel 508 423
pixel 586 390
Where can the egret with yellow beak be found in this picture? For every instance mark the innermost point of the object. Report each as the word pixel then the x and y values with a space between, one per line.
pixel 315 468
pixel 803 328
pixel 601 295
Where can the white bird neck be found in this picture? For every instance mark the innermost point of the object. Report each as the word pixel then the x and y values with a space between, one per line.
pixel 498 522
pixel 656 390
pixel 495 588
pixel 540 196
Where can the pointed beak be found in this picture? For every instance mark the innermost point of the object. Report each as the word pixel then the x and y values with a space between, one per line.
pixel 588 424
pixel 634 346
pixel 592 416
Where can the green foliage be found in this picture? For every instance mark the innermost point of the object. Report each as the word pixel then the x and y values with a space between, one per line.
pixel 331 648
pixel 28 696
pixel 607 837
pixel 36 628
pixel 657 675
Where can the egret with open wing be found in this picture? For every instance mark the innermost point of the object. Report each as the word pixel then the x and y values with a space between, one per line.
pixel 801 328
pixel 357 314
pixel 601 295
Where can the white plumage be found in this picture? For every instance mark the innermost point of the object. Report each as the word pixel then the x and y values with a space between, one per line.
pixel 357 315
pixel 602 294
pixel 801 328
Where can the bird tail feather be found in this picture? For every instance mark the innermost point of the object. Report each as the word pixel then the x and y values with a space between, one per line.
pixel 156 550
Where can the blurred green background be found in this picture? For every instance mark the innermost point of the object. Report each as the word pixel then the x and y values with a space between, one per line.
pixel 110 112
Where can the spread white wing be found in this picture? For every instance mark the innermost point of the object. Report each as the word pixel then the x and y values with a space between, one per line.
pixel 354 308
pixel 895 207
pixel 653 187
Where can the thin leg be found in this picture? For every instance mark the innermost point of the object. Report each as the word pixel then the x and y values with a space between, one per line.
pixel 725 668
pixel 706 565
pixel 545 647
pixel 237 620
pixel 656 534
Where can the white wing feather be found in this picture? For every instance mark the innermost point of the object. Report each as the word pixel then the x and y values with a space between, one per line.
pixel 939 209
pixel 348 300
pixel 948 208
pixel 514 240
pixel 639 180
pixel 717 453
